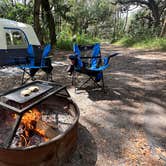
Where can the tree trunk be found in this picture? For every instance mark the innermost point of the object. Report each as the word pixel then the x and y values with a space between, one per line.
pixel 163 31
pixel 115 26
pixel 25 2
pixel 74 27
pixel 37 27
pixel 50 20
pixel 155 11
pixel 13 3
pixel 126 21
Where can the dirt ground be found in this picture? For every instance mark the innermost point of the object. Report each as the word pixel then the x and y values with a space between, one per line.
pixel 125 125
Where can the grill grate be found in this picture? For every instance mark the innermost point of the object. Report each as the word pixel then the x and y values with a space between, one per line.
pixel 18 98
pixel 13 100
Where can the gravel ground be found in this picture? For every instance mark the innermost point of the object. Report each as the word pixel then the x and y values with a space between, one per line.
pixel 126 123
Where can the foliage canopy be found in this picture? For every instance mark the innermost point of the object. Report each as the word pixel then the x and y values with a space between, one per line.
pixel 56 21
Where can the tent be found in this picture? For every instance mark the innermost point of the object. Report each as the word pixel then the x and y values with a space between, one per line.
pixel 14 40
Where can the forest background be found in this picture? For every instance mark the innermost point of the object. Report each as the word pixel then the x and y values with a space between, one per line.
pixel 131 23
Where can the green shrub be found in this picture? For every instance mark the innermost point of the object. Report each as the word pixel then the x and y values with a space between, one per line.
pixel 125 41
pixel 65 40
pixel 149 43
pixel 154 43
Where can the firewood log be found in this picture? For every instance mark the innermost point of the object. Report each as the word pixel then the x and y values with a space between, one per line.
pixel 46 129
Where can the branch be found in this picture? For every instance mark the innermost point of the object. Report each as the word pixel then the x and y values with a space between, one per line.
pixel 133 8
pixel 163 8
pixel 158 2
pixel 134 1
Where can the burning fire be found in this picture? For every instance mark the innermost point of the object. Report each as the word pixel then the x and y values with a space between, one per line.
pixel 33 129
pixel 14 116
pixel 30 122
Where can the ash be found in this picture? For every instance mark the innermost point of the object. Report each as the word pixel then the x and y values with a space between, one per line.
pixel 62 118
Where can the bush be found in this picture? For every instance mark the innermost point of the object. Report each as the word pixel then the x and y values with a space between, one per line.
pixel 65 40
pixel 150 43
pixel 126 41
pixel 154 43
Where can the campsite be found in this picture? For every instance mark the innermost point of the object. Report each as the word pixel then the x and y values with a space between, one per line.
pixel 80 100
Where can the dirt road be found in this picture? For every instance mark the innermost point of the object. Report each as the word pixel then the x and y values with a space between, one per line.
pixel 126 124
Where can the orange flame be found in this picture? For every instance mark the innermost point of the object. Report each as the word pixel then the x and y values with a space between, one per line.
pixel 31 115
pixel 29 120
pixel 14 116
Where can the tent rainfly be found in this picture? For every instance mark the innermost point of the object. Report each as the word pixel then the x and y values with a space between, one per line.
pixel 14 40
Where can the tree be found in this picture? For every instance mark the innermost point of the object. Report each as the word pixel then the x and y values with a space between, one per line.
pixel 163 31
pixel 16 11
pixel 156 7
pixel 37 26
pixel 50 21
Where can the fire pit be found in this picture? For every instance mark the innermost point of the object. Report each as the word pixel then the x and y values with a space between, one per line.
pixel 38 125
